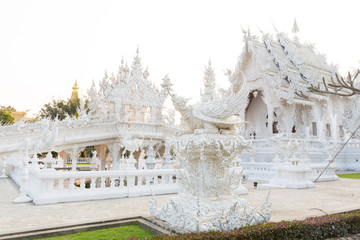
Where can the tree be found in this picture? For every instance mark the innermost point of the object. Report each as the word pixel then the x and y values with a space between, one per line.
pixel 60 109
pixel 5 118
pixel 342 87
pixel 8 109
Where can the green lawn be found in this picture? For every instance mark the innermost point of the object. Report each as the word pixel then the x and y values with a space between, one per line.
pixel 123 232
pixel 350 175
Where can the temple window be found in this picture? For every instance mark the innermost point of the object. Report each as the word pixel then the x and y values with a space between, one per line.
pixel 341 131
pixel 314 129
pixel 328 130
pixel 274 126
pixel 293 129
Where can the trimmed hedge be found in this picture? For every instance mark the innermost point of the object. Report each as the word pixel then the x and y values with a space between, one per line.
pixel 324 227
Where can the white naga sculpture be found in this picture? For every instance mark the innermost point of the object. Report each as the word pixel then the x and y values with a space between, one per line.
pixel 208 202
pixel 212 113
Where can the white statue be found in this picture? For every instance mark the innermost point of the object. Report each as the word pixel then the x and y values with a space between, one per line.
pixel 212 114
pixel 209 201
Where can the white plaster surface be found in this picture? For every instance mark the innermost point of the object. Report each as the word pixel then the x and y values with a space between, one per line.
pixel 331 197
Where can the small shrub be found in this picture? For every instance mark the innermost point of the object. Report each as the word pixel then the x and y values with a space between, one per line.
pixel 324 227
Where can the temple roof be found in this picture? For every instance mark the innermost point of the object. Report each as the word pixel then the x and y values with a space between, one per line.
pixel 130 87
pixel 286 63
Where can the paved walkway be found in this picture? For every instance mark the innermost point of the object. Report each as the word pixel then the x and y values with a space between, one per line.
pixel 287 204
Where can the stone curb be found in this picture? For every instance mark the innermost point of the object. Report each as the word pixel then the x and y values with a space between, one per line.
pixel 65 230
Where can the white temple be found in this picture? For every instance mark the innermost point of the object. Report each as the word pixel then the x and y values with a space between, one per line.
pixel 288 134
pixel 126 126
pixel 282 112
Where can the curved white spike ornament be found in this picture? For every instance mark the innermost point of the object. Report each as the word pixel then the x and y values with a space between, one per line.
pixel 209 201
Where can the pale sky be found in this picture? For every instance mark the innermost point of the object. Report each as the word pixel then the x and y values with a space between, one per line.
pixel 46 45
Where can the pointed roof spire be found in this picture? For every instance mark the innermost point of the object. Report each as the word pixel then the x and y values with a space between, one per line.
pixel 209 76
pixel 75 95
pixel 137 60
pixel 75 87
pixel 209 83
pixel 295 29
pixel 277 32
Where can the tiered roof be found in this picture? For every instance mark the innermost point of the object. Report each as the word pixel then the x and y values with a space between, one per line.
pixel 285 63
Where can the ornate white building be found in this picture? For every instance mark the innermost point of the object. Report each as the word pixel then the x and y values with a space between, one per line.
pixel 294 132
pixel 126 126
pixel 282 112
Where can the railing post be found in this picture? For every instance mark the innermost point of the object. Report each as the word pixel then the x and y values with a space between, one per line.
pixel 82 183
pixel 61 184
pixel 93 183
pixel 102 182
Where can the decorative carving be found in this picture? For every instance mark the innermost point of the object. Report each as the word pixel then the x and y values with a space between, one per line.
pixel 208 201
pixel 213 113
pixel 127 96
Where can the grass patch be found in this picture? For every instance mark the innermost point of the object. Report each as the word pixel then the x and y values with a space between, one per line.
pixel 350 175
pixel 122 232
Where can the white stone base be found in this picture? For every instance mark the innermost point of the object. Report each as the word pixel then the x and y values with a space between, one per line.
pixel 3 176
pixel 291 176
pixel 197 215
pixel 284 184
pixel 269 186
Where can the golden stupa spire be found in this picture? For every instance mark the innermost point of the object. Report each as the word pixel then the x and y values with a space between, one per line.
pixel 75 94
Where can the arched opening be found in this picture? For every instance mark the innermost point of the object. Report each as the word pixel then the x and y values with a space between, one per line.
pixel 256 115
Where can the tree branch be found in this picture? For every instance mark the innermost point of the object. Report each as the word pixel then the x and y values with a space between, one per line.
pixel 345 88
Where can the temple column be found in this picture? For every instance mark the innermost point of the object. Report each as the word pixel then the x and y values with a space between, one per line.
pixel 319 124
pixel 150 160
pixel 64 156
pixel 114 149
pixel 333 118
pixel 101 150
pixel 270 113
pixel 74 154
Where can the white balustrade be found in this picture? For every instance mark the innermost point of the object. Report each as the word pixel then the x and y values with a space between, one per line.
pixel 53 187
pixel 327 175
pixel 258 171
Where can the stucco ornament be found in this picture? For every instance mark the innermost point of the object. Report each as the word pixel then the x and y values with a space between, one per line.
pixel 127 96
pixel 213 113
pixel 208 201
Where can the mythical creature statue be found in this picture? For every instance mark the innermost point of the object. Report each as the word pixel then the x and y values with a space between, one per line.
pixel 210 115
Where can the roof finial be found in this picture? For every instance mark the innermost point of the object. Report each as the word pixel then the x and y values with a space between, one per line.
pixel 244 32
pixel 75 95
pixel 137 50
pixel 295 29
pixel 277 32
pixel 75 87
